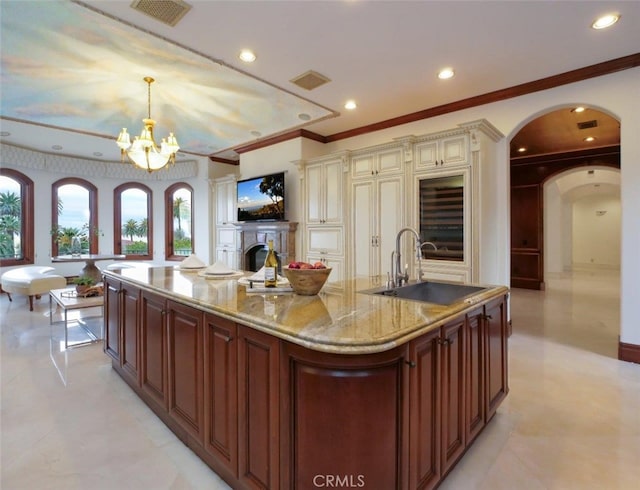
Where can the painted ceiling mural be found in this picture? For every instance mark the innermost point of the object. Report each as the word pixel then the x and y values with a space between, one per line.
pixel 68 66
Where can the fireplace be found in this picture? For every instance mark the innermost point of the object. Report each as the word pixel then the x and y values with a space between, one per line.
pixel 253 240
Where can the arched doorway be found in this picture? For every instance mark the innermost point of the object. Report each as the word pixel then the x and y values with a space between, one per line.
pixel 582 217
pixel 549 144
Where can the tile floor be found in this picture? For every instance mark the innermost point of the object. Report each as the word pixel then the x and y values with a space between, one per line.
pixel 571 420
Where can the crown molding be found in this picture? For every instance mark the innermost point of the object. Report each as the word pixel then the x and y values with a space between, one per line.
pixel 580 74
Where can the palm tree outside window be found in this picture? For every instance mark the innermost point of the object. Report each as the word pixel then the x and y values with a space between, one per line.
pixel 74 216
pixel 16 218
pixel 179 221
pixel 132 228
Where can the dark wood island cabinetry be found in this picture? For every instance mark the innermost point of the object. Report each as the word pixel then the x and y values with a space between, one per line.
pixel 338 388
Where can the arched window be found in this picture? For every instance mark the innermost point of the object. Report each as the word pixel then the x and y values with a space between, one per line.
pixel 178 221
pixel 16 218
pixel 74 217
pixel 133 221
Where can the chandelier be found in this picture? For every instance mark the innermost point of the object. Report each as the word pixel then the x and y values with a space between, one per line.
pixel 144 152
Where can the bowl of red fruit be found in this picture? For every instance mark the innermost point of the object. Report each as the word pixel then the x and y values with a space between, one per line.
pixel 306 279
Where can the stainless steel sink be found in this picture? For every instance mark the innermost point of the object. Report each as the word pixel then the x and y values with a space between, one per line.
pixel 441 293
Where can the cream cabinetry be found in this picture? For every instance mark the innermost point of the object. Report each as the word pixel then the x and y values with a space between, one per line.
pixel 376 163
pixel 447 199
pixel 377 205
pixel 378 208
pixel 435 152
pixel 225 231
pixel 323 183
pixel 357 201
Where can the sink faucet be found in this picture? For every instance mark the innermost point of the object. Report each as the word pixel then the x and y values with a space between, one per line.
pixel 397 276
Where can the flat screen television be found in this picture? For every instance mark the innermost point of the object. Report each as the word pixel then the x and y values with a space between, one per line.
pixel 261 198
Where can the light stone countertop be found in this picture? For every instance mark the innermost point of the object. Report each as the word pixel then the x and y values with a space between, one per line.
pixel 341 321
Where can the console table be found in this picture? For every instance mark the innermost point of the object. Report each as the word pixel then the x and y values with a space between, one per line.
pixel 68 300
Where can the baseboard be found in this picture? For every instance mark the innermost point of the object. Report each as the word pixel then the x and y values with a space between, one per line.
pixel 629 352
pixel 587 267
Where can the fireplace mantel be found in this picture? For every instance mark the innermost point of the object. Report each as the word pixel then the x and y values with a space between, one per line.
pixel 253 234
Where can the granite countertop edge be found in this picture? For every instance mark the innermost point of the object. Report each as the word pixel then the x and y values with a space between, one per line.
pixel 357 326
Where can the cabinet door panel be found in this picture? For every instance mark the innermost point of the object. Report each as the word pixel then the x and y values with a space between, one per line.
pixel 258 412
pixel 390 208
pixel 153 348
pixel 454 150
pixel 333 184
pixel 325 240
pixel 313 186
pixel 363 228
pixel 363 166
pixel 336 264
pixel 424 426
pixel 112 319
pixel 390 161
pixel 185 367
pixel 453 393
pixel 225 202
pixel 221 421
pixel 227 236
pixel 130 298
pixel 426 155
pixel 475 404
pixel 227 256
pixel 328 413
pixel 496 352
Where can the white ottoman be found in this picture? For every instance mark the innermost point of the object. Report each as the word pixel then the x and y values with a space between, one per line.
pixel 31 280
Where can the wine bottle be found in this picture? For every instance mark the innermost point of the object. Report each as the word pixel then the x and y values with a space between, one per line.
pixel 270 268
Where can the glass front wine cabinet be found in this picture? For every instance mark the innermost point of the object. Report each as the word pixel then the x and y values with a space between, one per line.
pixel 442 218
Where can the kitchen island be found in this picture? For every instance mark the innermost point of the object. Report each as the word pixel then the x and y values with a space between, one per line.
pixel 282 391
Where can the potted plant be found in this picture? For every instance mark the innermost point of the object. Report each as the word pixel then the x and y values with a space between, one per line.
pixel 83 283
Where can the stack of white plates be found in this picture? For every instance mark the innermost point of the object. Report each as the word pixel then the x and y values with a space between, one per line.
pixel 219 271
pixel 191 264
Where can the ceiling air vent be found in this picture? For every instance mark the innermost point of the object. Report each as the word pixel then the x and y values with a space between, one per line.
pixel 310 80
pixel 588 124
pixel 166 11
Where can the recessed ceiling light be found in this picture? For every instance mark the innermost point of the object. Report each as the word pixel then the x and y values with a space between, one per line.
pixel 446 73
pixel 350 105
pixel 579 109
pixel 605 21
pixel 247 56
pixel 57 147
pixel 304 117
pixel 589 139
pixel 522 149
pixel 5 133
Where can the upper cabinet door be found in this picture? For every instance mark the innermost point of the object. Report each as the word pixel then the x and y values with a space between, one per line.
pixel 225 202
pixel 324 189
pixel 389 161
pixel 333 192
pixel 314 183
pixel 442 153
pixel 453 151
pixel 379 162
pixel 363 165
